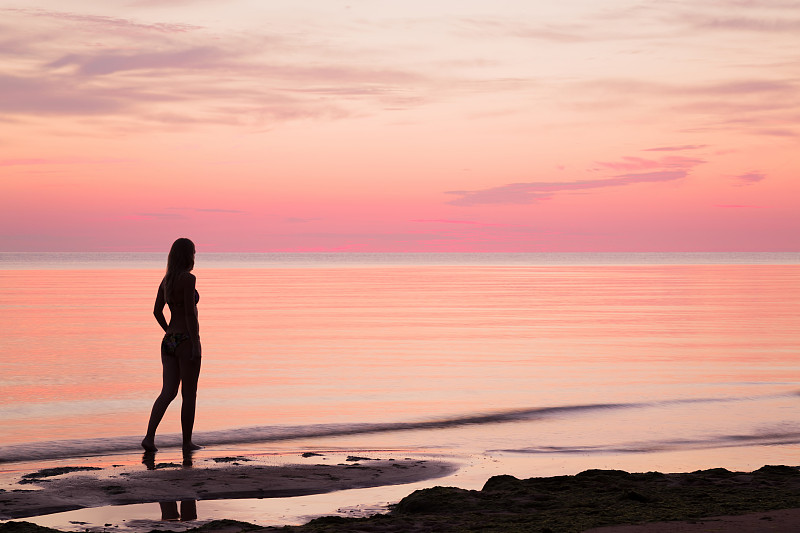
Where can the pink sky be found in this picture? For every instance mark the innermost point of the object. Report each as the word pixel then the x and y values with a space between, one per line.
pixel 374 125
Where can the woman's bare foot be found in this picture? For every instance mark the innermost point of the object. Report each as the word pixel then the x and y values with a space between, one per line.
pixel 149 445
pixel 191 447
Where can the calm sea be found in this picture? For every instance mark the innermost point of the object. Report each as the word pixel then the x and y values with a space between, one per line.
pixel 540 363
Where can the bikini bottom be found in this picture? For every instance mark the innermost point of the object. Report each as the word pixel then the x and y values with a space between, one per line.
pixel 170 343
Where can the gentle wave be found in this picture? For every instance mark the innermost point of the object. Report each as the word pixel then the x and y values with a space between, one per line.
pixel 111 445
pixel 718 441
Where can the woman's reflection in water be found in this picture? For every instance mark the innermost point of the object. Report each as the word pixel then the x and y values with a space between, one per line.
pixel 188 511
pixel 169 509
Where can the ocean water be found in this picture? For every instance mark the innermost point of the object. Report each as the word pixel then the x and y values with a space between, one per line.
pixel 533 364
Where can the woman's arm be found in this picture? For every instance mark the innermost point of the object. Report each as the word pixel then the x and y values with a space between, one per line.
pixel 158 308
pixel 190 308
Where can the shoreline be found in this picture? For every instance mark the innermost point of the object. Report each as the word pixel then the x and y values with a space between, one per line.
pixel 600 501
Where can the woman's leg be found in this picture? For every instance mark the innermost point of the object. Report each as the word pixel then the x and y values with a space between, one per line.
pixel 169 511
pixel 169 390
pixel 188 510
pixel 189 375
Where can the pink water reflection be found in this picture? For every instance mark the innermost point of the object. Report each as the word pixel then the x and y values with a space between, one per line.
pixel 393 344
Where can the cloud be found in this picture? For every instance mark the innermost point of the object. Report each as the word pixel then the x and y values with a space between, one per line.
pixel 239 97
pixel 444 221
pixel 179 75
pixel 601 24
pixel 639 163
pixel 746 86
pixel 14 44
pixel 37 161
pixel 54 95
pixel 676 148
pixel 205 210
pixel 166 3
pixel 734 87
pixel 492 28
pixel 752 105
pixel 777 132
pixel 300 220
pixel 159 215
pixel 110 24
pixel 465 223
pixel 751 177
pixel 709 21
pixel 527 193
pixel 193 58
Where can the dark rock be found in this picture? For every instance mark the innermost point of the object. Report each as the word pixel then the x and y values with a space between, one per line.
pixel 434 500
pixel 607 474
pixel 504 483
pixel 632 495
pixel 24 527
pixel 714 472
pixel 329 521
pixel 778 470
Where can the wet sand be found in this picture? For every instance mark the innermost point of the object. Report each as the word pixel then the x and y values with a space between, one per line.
pixel 65 488
pixel 599 501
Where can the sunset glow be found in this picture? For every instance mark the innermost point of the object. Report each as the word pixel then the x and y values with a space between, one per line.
pixel 400 126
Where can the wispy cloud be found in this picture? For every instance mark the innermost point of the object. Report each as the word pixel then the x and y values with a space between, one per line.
pixel 677 148
pixel 751 177
pixel 114 24
pixel 55 95
pixel 109 66
pixel 753 24
pixel 777 132
pixel 228 211
pixel 667 168
pixel 300 220
pixel 638 163
pixel 205 210
pixel 166 3
pixel 737 87
pixel 754 105
pixel 38 161
pixel 445 221
pixel 502 27
pixel 159 215
pixel 464 223
pixel 527 193
pixel 100 64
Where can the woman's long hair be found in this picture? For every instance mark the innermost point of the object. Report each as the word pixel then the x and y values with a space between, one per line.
pixel 180 260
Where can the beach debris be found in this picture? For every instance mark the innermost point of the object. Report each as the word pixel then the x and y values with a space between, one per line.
pixel 35 477
pixel 355 459
pixel 234 460
pixel 166 465
pixel 312 454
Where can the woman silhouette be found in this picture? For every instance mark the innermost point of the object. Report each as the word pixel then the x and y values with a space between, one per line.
pixel 180 348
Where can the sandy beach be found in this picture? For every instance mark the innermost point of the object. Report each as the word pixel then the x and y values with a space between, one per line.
pixel 601 501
